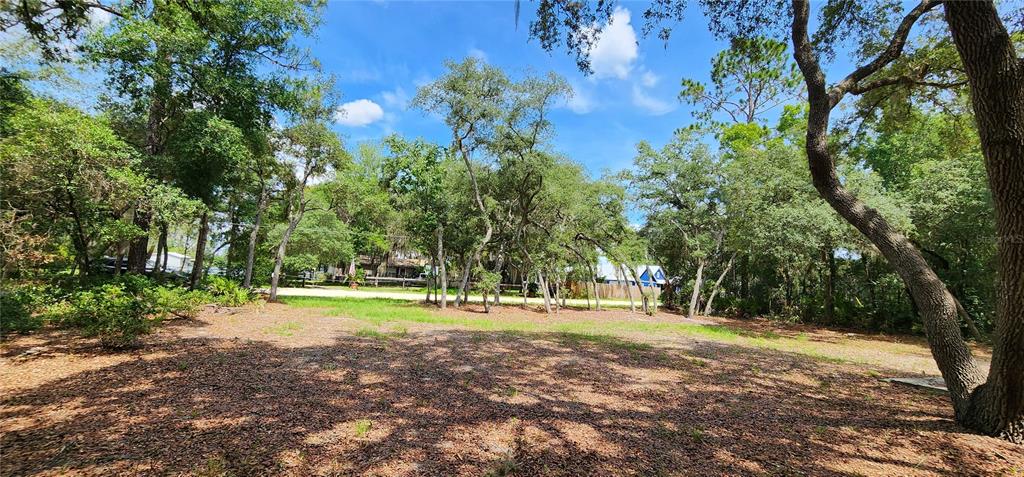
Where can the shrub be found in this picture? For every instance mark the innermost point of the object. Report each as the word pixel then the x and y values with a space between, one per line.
pixel 18 308
pixel 112 312
pixel 178 301
pixel 228 292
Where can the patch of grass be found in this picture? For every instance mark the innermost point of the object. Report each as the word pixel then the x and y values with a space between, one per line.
pixel 700 363
pixel 372 333
pixel 608 341
pixel 363 427
pixel 399 332
pixel 380 311
pixel 697 434
pixel 284 329
pixel 215 467
pixel 506 391
pixel 381 336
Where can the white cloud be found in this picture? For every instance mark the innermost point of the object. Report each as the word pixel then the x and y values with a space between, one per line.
pixel 478 54
pixel 397 98
pixel 580 102
pixel 99 18
pixel 616 49
pixel 649 103
pixel 649 80
pixel 358 113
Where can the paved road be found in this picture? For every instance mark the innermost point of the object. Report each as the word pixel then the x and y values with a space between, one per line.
pixel 368 292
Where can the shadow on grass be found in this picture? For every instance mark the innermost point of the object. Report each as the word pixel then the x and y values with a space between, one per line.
pixel 466 403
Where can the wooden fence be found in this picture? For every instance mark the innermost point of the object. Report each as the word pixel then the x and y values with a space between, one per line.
pixel 611 291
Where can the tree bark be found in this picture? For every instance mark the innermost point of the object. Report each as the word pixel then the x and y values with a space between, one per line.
pixel 432 276
pixel 597 294
pixel 996 77
pixel 138 249
pixel 938 310
pixel 250 254
pixel 558 293
pixel 489 229
pixel 830 285
pixel 442 273
pixel 745 276
pixel 718 284
pixel 544 289
pixel 695 296
pixel 197 264
pixel 282 249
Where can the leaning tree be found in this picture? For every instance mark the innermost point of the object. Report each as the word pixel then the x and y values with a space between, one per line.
pixel 992 404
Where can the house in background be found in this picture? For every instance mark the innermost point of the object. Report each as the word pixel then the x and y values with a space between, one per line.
pixel 649 275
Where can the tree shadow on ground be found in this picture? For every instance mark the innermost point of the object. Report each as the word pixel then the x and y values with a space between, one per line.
pixel 469 403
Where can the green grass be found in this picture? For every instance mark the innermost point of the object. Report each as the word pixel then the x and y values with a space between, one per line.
pixel 382 336
pixel 380 311
pixel 363 427
pixel 284 329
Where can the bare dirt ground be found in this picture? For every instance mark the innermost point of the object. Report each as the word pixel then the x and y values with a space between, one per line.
pixel 281 390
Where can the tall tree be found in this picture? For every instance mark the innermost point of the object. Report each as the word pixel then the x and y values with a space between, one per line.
pixel 749 79
pixel 682 185
pixel 415 178
pixel 314 151
pixel 994 405
pixel 471 97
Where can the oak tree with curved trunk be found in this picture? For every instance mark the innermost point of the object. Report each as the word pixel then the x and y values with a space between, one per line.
pixel 994 406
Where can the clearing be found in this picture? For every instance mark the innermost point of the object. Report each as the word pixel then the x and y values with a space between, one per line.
pixel 327 386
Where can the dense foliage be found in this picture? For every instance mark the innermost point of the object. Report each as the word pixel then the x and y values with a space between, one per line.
pixel 177 160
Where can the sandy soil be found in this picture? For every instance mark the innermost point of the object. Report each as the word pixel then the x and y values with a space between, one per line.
pixel 285 391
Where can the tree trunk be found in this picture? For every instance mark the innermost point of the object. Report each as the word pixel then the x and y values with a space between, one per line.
pixel 587 285
pixel 197 264
pixel 695 296
pixel 968 319
pixel 544 289
pixel 138 249
pixel 597 294
pixel 233 232
pixel 478 250
pixel 745 276
pixel 250 254
pixel 830 285
pixel 629 293
pixel 558 293
pixel 934 301
pixel 118 260
pixel 160 266
pixel 718 284
pixel 442 273
pixel 282 249
pixel 432 276
pixel 996 76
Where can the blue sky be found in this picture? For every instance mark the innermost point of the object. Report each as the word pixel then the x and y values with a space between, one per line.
pixel 381 52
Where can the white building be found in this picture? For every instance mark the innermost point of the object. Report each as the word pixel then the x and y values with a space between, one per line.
pixel 649 275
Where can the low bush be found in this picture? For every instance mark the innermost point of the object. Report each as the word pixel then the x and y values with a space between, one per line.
pixel 18 307
pixel 178 301
pixel 228 292
pixel 114 312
